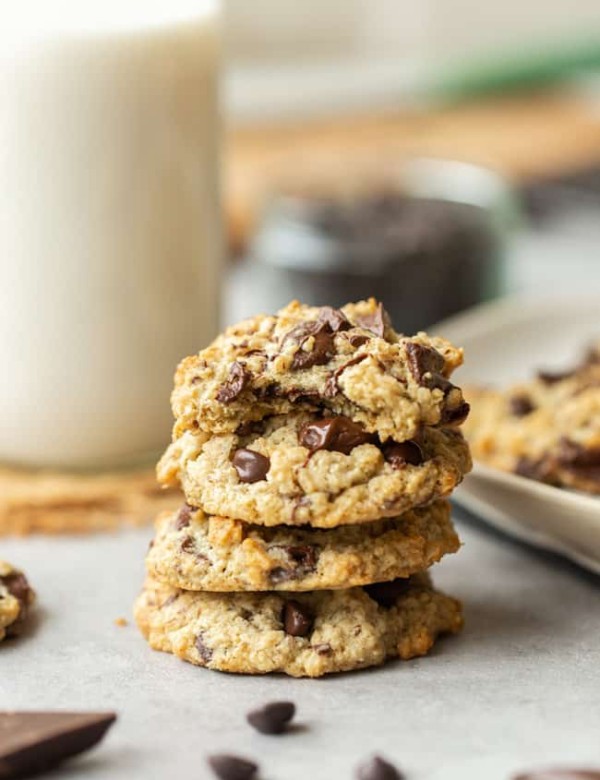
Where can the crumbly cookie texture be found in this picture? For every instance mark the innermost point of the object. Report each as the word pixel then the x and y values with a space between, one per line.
pixel 348 361
pixel 300 634
pixel 198 552
pixel 547 429
pixel 52 502
pixel 16 597
pixel 292 470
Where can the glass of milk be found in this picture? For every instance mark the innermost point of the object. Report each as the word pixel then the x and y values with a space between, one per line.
pixel 110 229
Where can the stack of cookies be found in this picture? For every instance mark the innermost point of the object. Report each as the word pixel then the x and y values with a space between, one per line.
pixel 316 450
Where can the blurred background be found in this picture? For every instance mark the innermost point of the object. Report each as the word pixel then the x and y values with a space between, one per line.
pixel 325 98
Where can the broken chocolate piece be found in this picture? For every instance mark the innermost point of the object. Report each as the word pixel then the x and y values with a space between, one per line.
pixel 376 322
pixel 581 460
pixel 378 768
pixel 227 767
pixel 399 454
pixel 387 593
pixel 236 381
pixel 334 318
pixel 521 405
pixel 297 619
pixel 423 362
pixel 336 434
pixel 35 742
pixel 273 718
pixel 251 466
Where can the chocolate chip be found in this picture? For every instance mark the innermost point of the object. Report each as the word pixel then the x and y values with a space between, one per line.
pixel 553 377
pixel 378 768
pixel 236 381
pixel 540 469
pixel 227 767
pixel 457 414
pixel 17 586
pixel 521 405
pixel 560 774
pixel 337 434
pixel 399 454
pixel 334 318
pixel 303 558
pixel 36 742
pixel 323 347
pixel 184 516
pixel 297 619
pixel 187 545
pixel 386 594
pixel 377 322
pixel 251 466
pixel 204 651
pixel 423 362
pixel 273 718
pixel 357 339
pixel 583 461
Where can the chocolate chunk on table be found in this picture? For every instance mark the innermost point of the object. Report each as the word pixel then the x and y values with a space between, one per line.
pixel 34 742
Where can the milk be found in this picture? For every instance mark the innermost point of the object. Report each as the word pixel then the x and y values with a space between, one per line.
pixel 110 236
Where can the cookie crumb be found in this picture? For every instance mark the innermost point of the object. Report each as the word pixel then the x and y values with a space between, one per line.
pixel 121 622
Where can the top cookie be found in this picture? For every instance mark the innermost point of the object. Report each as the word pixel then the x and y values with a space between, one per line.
pixel 348 361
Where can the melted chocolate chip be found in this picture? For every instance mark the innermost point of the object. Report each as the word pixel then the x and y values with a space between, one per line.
pixel 187 545
pixel 323 347
pixel 204 651
pixel 398 454
pixel 387 593
pixel 377 322
pixel 184 516
pixel 456 415
pixel 334 318
pixel 273 718
pixel 228 767
pixel 521 405
pixel 236 381
pixel 357 339
pixel 251 466
pixel 560 774
pixel 303 559
pixel 378 768
pixel 579 460
pixel 297 619
pixel 336 434
pixel 423 362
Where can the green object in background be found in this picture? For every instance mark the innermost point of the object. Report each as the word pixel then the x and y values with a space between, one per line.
pixel 502 72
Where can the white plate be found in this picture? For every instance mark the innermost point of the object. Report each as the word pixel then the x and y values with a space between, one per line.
pixel 507 341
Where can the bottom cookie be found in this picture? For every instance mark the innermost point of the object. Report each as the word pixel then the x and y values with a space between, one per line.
pixel 16 596
pixel 300 634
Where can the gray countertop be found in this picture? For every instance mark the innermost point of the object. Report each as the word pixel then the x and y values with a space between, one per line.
pixel 519 687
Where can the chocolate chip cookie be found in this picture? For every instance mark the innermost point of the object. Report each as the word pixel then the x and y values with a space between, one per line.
pixel 301 468
pixel 345 361
pixel 16 597
pixel 547 429
pixel 300 634
pixel 198 552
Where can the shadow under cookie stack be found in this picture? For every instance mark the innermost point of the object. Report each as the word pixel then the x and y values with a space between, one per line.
pixel 316 449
